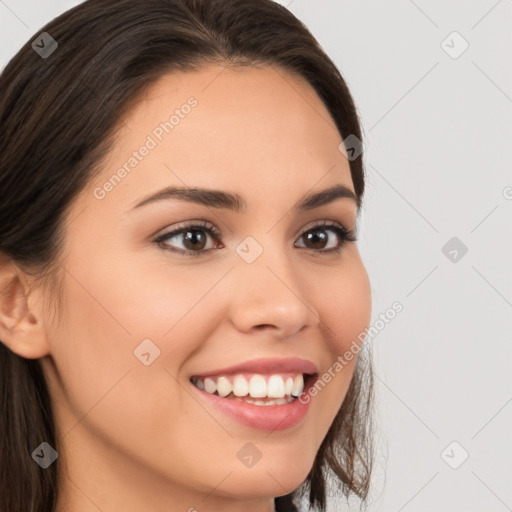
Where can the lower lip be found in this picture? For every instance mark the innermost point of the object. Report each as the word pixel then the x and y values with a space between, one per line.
pixel 262 417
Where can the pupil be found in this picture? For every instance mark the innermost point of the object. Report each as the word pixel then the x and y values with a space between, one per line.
pixel 316 236
pixel 192 237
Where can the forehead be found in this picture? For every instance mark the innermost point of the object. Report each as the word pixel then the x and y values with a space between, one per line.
pixel 231 92
pixel 237 128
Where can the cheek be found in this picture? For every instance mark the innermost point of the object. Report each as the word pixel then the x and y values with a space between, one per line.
pixel 92 346
pixel 345 311
pixel 124 301
pixel 106 386
pixel 345 308
pixel 175 306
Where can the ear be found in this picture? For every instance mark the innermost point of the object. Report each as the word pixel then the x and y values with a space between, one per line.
pixel 21 326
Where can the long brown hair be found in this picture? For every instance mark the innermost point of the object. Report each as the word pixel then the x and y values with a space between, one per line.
pixel 58 117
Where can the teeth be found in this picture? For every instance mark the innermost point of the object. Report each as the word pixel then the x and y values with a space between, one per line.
pixel 224 386
pixel 240 386
pixel 209 385
pixel 258 386
pixel 298 385
pixel 275 387
pixel 288 386
pixel 283 390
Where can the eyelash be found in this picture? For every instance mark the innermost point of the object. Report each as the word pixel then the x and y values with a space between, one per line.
pixel 344 236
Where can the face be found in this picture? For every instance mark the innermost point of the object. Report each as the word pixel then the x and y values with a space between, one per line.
pixel 190 286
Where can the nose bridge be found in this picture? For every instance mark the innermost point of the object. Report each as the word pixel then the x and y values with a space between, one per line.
pixel 268 290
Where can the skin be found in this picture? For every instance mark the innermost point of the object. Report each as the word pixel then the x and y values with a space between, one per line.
pixel 131 437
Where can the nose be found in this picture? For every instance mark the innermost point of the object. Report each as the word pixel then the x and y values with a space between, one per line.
pixel 268 295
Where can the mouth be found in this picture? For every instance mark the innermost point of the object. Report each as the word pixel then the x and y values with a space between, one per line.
pixel 255 388
pixel 267 399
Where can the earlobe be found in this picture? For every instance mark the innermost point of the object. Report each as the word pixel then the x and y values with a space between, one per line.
pixel 21 329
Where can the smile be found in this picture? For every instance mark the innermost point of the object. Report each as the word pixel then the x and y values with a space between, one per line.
pixel 261 394
pixel 256 389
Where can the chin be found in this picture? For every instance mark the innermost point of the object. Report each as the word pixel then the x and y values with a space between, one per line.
pixel 276 477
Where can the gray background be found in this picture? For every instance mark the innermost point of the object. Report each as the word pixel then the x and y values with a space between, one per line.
pixel 438 133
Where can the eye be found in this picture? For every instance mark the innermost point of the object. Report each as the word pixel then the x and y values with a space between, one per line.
pixel 320 241
pixel 194 238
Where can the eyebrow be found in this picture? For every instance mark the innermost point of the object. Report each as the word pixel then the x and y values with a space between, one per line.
pixel 232 201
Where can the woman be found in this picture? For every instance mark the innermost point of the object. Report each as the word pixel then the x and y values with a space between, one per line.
pixel 182 294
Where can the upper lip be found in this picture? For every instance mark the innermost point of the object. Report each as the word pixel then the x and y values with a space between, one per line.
pixel 265 365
